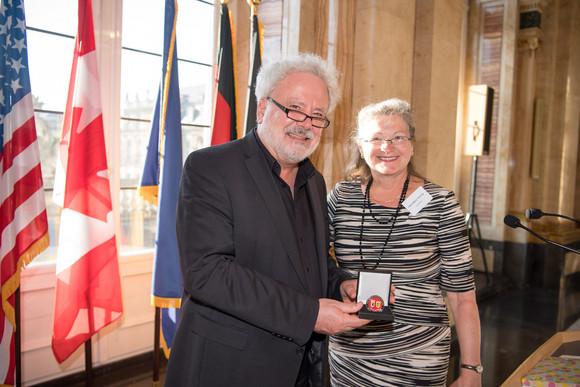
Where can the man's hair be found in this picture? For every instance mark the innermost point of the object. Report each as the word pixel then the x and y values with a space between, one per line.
pixel 272 73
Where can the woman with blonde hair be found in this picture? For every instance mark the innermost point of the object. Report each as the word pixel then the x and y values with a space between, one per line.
pixel 386 217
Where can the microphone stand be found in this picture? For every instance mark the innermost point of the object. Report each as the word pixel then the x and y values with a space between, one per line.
pixel 558 215
pixel 547 240
pixel 563 216
pixel 514 222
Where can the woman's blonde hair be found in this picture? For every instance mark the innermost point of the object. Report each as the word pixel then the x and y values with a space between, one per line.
pixel 357 169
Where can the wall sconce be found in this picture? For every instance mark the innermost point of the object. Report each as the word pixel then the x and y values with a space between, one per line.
pixel 477 138
pixel 479 111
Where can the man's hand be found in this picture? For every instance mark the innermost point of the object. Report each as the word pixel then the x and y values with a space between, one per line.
pixel 337 317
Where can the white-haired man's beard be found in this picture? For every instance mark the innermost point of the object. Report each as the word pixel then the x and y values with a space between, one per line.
pixel 294 152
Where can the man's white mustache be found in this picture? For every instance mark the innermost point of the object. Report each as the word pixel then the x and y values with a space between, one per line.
pixel 302 132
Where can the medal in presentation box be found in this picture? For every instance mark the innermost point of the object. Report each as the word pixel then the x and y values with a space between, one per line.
pixel 374 290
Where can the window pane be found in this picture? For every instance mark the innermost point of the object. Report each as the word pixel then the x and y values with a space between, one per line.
pixel 48 130
pixel 54 15
pixel 53 215
pixel 194 39
pixel 140 77
pixel 138 221
pixel 50 60
pixel 49 81
pixel 194 138
pixel 195 93
pixel 143 25
pixel 134 136
pixel 143 30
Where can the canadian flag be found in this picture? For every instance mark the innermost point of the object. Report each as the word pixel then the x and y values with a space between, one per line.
pixel 88 286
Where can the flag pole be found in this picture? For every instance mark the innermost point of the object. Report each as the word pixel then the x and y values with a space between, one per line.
pixel 17 338
pixel 156 345
pixel 255 64
pixel 254 5
pixel 88 363
pixel 89 352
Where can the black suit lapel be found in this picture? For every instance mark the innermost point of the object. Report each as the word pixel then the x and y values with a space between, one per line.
pixel 320 225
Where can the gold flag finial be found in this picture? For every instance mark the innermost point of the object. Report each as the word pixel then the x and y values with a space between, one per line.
pixel 254 4
pixel 224 1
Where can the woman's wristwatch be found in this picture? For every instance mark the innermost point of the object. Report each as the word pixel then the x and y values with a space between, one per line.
pixel 477 368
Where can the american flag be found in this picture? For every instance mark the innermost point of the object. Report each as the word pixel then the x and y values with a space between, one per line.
pixel 23 221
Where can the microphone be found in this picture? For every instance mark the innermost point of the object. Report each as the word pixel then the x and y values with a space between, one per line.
pixel 534 213
pixel 514 222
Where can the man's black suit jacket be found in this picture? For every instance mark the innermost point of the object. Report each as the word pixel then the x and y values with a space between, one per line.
pixel 245 314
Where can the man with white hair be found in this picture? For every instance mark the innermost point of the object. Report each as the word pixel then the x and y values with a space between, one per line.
pixel 261 291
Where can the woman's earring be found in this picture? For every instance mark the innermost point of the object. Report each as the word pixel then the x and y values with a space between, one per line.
pixel 362 156
pixel 412 153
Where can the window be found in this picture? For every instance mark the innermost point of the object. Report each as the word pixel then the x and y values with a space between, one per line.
pixel 51 32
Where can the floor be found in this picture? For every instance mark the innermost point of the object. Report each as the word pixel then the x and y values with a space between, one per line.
pixel 514 322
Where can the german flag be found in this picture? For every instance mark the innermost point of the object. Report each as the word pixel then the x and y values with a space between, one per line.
pixel 224 114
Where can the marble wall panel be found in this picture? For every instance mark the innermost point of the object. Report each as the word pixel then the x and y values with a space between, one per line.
pixel 435 87
pixel 384 41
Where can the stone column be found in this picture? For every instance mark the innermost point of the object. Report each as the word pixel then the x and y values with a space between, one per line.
pixel 436 65
pixel 525 90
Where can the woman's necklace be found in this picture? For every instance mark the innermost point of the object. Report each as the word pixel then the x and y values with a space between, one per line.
pixel 367 203
pixel 385 201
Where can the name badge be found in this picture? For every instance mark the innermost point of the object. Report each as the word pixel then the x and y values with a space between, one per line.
pixel 417 200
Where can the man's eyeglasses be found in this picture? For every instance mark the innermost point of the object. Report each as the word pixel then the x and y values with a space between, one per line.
pixel 395 141
pixel 298 116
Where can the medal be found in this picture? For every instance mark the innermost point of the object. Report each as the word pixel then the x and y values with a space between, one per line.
pixel 375 304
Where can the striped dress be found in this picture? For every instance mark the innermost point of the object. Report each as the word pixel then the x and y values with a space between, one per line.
pixel 428 253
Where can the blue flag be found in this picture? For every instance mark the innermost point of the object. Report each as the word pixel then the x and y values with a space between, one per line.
pixel 160 184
